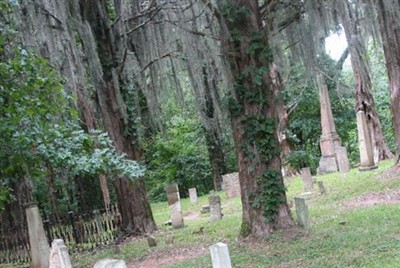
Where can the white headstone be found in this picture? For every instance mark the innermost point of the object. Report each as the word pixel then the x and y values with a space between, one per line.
pixel 193 196
pixel 220 256
pixel 110 263
pixel 174 203
pixel 59 257
pixel 37 238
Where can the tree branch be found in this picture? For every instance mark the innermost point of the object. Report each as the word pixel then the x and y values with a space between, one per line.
pixel 169 54
pixel 345 54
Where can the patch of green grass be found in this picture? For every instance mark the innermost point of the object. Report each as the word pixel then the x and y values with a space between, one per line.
pixel 339 235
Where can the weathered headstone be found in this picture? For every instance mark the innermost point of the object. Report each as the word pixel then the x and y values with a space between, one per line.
pixel 342 159
pixel 174 204
pixel 321 187
pixel 40 250
pixel 307 179
pixel 215 207
pixel 329 140
pixel 193 196
pixel 364 143
pixel 59 257
pixel 301 212
pixel 231 185
pixel 110 263
pixel 220 256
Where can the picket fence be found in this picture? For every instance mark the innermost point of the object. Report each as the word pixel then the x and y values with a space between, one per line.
pixel 79 232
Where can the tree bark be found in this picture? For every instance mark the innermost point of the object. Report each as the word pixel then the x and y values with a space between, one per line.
pixel 132 197
pixel 363 96
pixel 388 12
pixel 254 121
pixel 214 146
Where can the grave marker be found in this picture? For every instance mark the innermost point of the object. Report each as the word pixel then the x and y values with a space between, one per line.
pixel 174 204
pixel 215 207
pixel 301 212
pixel 307 179
pixel 220 256
pixel 231 185
pixel 193 196
pixel 59 257
pixel 364 143
pixel 40 250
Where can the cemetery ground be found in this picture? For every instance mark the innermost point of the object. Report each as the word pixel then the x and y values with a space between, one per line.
pixel 355 224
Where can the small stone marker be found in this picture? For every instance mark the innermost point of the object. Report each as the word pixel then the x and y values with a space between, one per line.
pixel 193 196
pixel 215 207
pixel 231 185
pixel 37 238
pixel 174 204
pixel 343 160
pixel 307 179
pixel 59 257
pixel 220 256
pixel 110 263
pixel 301 212
pixel 321 187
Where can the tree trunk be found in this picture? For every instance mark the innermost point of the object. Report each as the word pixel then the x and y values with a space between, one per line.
pixel 134 206
pixel 363 96
pixel 388 13
pixel 254 121
pixel 214 146
pixel 52 193
pixel 283 121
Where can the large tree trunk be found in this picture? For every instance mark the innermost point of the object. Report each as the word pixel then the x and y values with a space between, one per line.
pixel 214 145
pixel 363 96
pixel 132 197
pixel 254 121
pixel 388 12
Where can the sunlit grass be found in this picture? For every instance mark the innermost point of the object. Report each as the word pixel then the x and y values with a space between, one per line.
pixel 339 235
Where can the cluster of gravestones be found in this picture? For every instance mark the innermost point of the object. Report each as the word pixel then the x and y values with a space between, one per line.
pixel 175 209
pixel 333 154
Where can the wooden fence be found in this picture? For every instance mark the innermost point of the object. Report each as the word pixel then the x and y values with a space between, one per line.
pixel 79 232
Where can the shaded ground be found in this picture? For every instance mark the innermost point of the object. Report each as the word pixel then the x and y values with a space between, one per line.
pixel 158 259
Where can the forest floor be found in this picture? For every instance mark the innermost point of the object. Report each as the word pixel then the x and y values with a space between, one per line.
pixel 355 224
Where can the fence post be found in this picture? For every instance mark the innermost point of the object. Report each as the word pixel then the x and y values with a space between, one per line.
pixel 71 219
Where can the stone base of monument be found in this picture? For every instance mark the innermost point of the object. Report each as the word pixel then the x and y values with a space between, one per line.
pixel 367 168
pixel 327 164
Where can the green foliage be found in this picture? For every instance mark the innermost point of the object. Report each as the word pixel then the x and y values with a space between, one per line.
pixel 84 153
pixel 300 159
pixel 179 157
pixel 38 126
pixel 305 118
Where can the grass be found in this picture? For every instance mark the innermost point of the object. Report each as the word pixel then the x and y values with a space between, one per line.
pixel 367 237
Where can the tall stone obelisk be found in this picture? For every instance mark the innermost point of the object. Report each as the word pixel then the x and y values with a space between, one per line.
pixel 332 153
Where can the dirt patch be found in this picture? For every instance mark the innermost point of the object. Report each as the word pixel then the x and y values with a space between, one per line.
pixel 371 199
pixel 158 259
pixel 192 216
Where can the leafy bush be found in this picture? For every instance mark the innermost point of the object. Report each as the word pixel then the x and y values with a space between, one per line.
pixel 180 157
